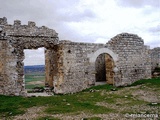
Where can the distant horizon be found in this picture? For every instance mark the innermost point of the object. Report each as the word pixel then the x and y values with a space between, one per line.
pixel 35 65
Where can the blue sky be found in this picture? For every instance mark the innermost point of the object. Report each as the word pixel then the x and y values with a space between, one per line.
pixel 87 20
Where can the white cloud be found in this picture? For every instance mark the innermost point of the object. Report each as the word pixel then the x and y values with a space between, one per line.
pixel 34 57
pixel 89 20
pixel 138 3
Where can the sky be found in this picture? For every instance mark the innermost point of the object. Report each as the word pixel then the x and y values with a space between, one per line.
pixel 93 21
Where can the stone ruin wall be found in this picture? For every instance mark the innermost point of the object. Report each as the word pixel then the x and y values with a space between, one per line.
pixel 79 72
pixel 76 72
pixel 70 66
pixel 155 58
pixel 134 61
pixel 13 40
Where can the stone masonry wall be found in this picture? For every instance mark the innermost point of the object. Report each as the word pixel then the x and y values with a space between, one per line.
pixel 3 51
pixel 13 40
pixel 134 62
pixel 54 67
pixel 155 57
pixel 70 66
pixel 77 72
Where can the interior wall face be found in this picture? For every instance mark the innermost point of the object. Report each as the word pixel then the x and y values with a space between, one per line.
pixel 104 66
pixel 109 66
pixel 100 67
pixel 54 68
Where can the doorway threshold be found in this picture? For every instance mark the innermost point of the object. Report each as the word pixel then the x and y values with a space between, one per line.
pixel 100 83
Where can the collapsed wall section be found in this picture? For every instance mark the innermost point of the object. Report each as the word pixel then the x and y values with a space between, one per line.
pixel 134 58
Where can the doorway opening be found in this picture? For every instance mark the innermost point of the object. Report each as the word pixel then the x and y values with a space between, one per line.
pixel 34 70
pixel 104 69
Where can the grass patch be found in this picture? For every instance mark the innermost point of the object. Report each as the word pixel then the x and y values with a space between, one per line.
pixel 10 106
pixel 84 101
pixel 31 78
pixel 100 87
pixel 149 82
pixel 77 103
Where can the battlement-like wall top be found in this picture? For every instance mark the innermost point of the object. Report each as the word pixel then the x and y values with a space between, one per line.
pixel 3 21
pixel 30 30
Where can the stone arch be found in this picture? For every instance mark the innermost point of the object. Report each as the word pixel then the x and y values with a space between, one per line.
pixel 104 61
pixel 101 51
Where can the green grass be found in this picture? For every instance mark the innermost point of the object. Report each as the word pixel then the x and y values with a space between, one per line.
pixel 34 78
pixel 57 105
pixel 84 101
pixel 148 82
pixel 101 87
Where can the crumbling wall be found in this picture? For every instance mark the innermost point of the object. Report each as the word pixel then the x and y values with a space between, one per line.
pixel 11 84
pixel 134 58
pixel 77 71
pixel 54 68
pixel 3 51
pixel 16 38
pixel 155 58
pixel 71 66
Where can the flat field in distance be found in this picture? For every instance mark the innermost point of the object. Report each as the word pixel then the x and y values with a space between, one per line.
pixel 34 76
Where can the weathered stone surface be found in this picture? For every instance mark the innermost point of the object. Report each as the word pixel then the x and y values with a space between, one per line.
pixel 134 61
pixel 70 66
pixel 155 55
pixel 13 40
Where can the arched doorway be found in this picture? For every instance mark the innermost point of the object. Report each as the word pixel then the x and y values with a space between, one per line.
pixel 104 61
pixel 104 66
